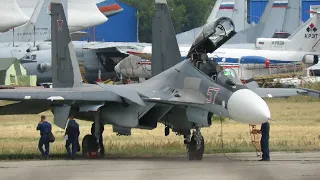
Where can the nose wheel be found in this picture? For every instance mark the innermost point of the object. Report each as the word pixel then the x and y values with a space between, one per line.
pixel 195 145
pixel 195 152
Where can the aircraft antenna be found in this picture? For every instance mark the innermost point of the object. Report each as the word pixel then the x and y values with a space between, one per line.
pixel 34 36
pixel 13 37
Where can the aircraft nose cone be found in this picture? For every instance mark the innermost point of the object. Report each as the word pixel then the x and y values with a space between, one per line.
pixel 245 106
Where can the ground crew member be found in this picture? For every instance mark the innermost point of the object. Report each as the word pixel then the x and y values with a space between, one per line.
pixel 73 133
pixel 45 128
pixel 265 129
pixel 100 138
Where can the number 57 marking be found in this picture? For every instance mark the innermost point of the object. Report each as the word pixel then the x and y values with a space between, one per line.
pixel 212 94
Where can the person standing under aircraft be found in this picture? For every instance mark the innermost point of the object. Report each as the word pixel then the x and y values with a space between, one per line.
pixel 93 127
pixel 72 133
pixel 45 128
pixel 265 129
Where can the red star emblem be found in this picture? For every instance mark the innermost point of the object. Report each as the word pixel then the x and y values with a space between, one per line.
pixel 311 25
pixel 60 22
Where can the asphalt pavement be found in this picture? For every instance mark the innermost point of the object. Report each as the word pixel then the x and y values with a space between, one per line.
pixel 244 166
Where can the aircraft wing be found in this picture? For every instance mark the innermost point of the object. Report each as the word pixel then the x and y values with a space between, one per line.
pixel 281 92
pixel 58 94
pixel 284 92
pixel 146 56
pixel 122 47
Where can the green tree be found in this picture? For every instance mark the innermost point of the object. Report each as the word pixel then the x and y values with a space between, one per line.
pixel 197 12
pixel 186 14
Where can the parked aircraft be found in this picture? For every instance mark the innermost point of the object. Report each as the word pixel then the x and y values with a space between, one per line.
pixel 34 36
pixel 29 6
pixel 11 15
pixel 104 56
pixel 268 56
pixel 178 95
pixel 81 14
pixel 279 19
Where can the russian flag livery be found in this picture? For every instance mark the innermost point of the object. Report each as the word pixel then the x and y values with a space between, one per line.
pixel 280 4
pixel 227 4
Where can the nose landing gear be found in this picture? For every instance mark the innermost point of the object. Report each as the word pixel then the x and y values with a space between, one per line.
pixel 195 145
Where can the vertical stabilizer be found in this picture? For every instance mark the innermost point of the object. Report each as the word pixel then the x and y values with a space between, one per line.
pixel 283 16
pixel 65 67
pixel 236 10
pixel 293 16
pixel 251 34
pixel 165 49
pixel 307 36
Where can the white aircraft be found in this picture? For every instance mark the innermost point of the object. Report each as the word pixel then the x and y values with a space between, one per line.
pixel 29 6
pixel 11 15
pixel 31 43
pixel 269 56
pixel 81 14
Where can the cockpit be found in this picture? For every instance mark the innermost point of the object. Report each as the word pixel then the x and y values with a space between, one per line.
pixel 225 77
pixel 228 78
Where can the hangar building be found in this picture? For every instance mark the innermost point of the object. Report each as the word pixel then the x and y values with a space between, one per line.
pixel 122 27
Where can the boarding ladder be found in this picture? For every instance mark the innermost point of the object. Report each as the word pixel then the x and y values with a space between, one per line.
pixel 255 138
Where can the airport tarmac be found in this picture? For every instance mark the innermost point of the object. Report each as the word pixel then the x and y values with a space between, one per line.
pixel 244 166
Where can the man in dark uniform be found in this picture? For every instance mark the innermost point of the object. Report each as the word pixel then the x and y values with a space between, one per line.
pixel 265 129
pixel 93 127
pixel 45 128
pixel 73 133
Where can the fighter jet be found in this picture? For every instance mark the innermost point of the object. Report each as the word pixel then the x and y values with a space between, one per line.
pixel 179 94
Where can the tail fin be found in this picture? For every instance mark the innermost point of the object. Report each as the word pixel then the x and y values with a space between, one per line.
pixel 65 67
pixel 293 16
pixel 307 36
pixel 165 49
pixel 251 34
pixel 37 29
pixel 282 15
pixel 235 10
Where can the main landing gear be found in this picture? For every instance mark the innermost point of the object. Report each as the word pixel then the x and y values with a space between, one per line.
pixel 91 142
pixel 195 145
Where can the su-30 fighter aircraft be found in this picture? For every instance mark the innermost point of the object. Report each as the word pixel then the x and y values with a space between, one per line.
pixel 179 94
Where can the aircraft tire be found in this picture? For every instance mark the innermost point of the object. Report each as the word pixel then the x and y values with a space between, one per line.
pixel 88 144
pixel 193 153
pixel 85 146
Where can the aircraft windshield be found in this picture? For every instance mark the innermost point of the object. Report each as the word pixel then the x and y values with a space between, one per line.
pixel 229 73
pixel 229 77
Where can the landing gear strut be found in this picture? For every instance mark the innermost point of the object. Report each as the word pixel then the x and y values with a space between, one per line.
pixel 195 145
pixel 91 142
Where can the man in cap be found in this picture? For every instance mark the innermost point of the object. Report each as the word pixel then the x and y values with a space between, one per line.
pixel 73 133
pixel 45 128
